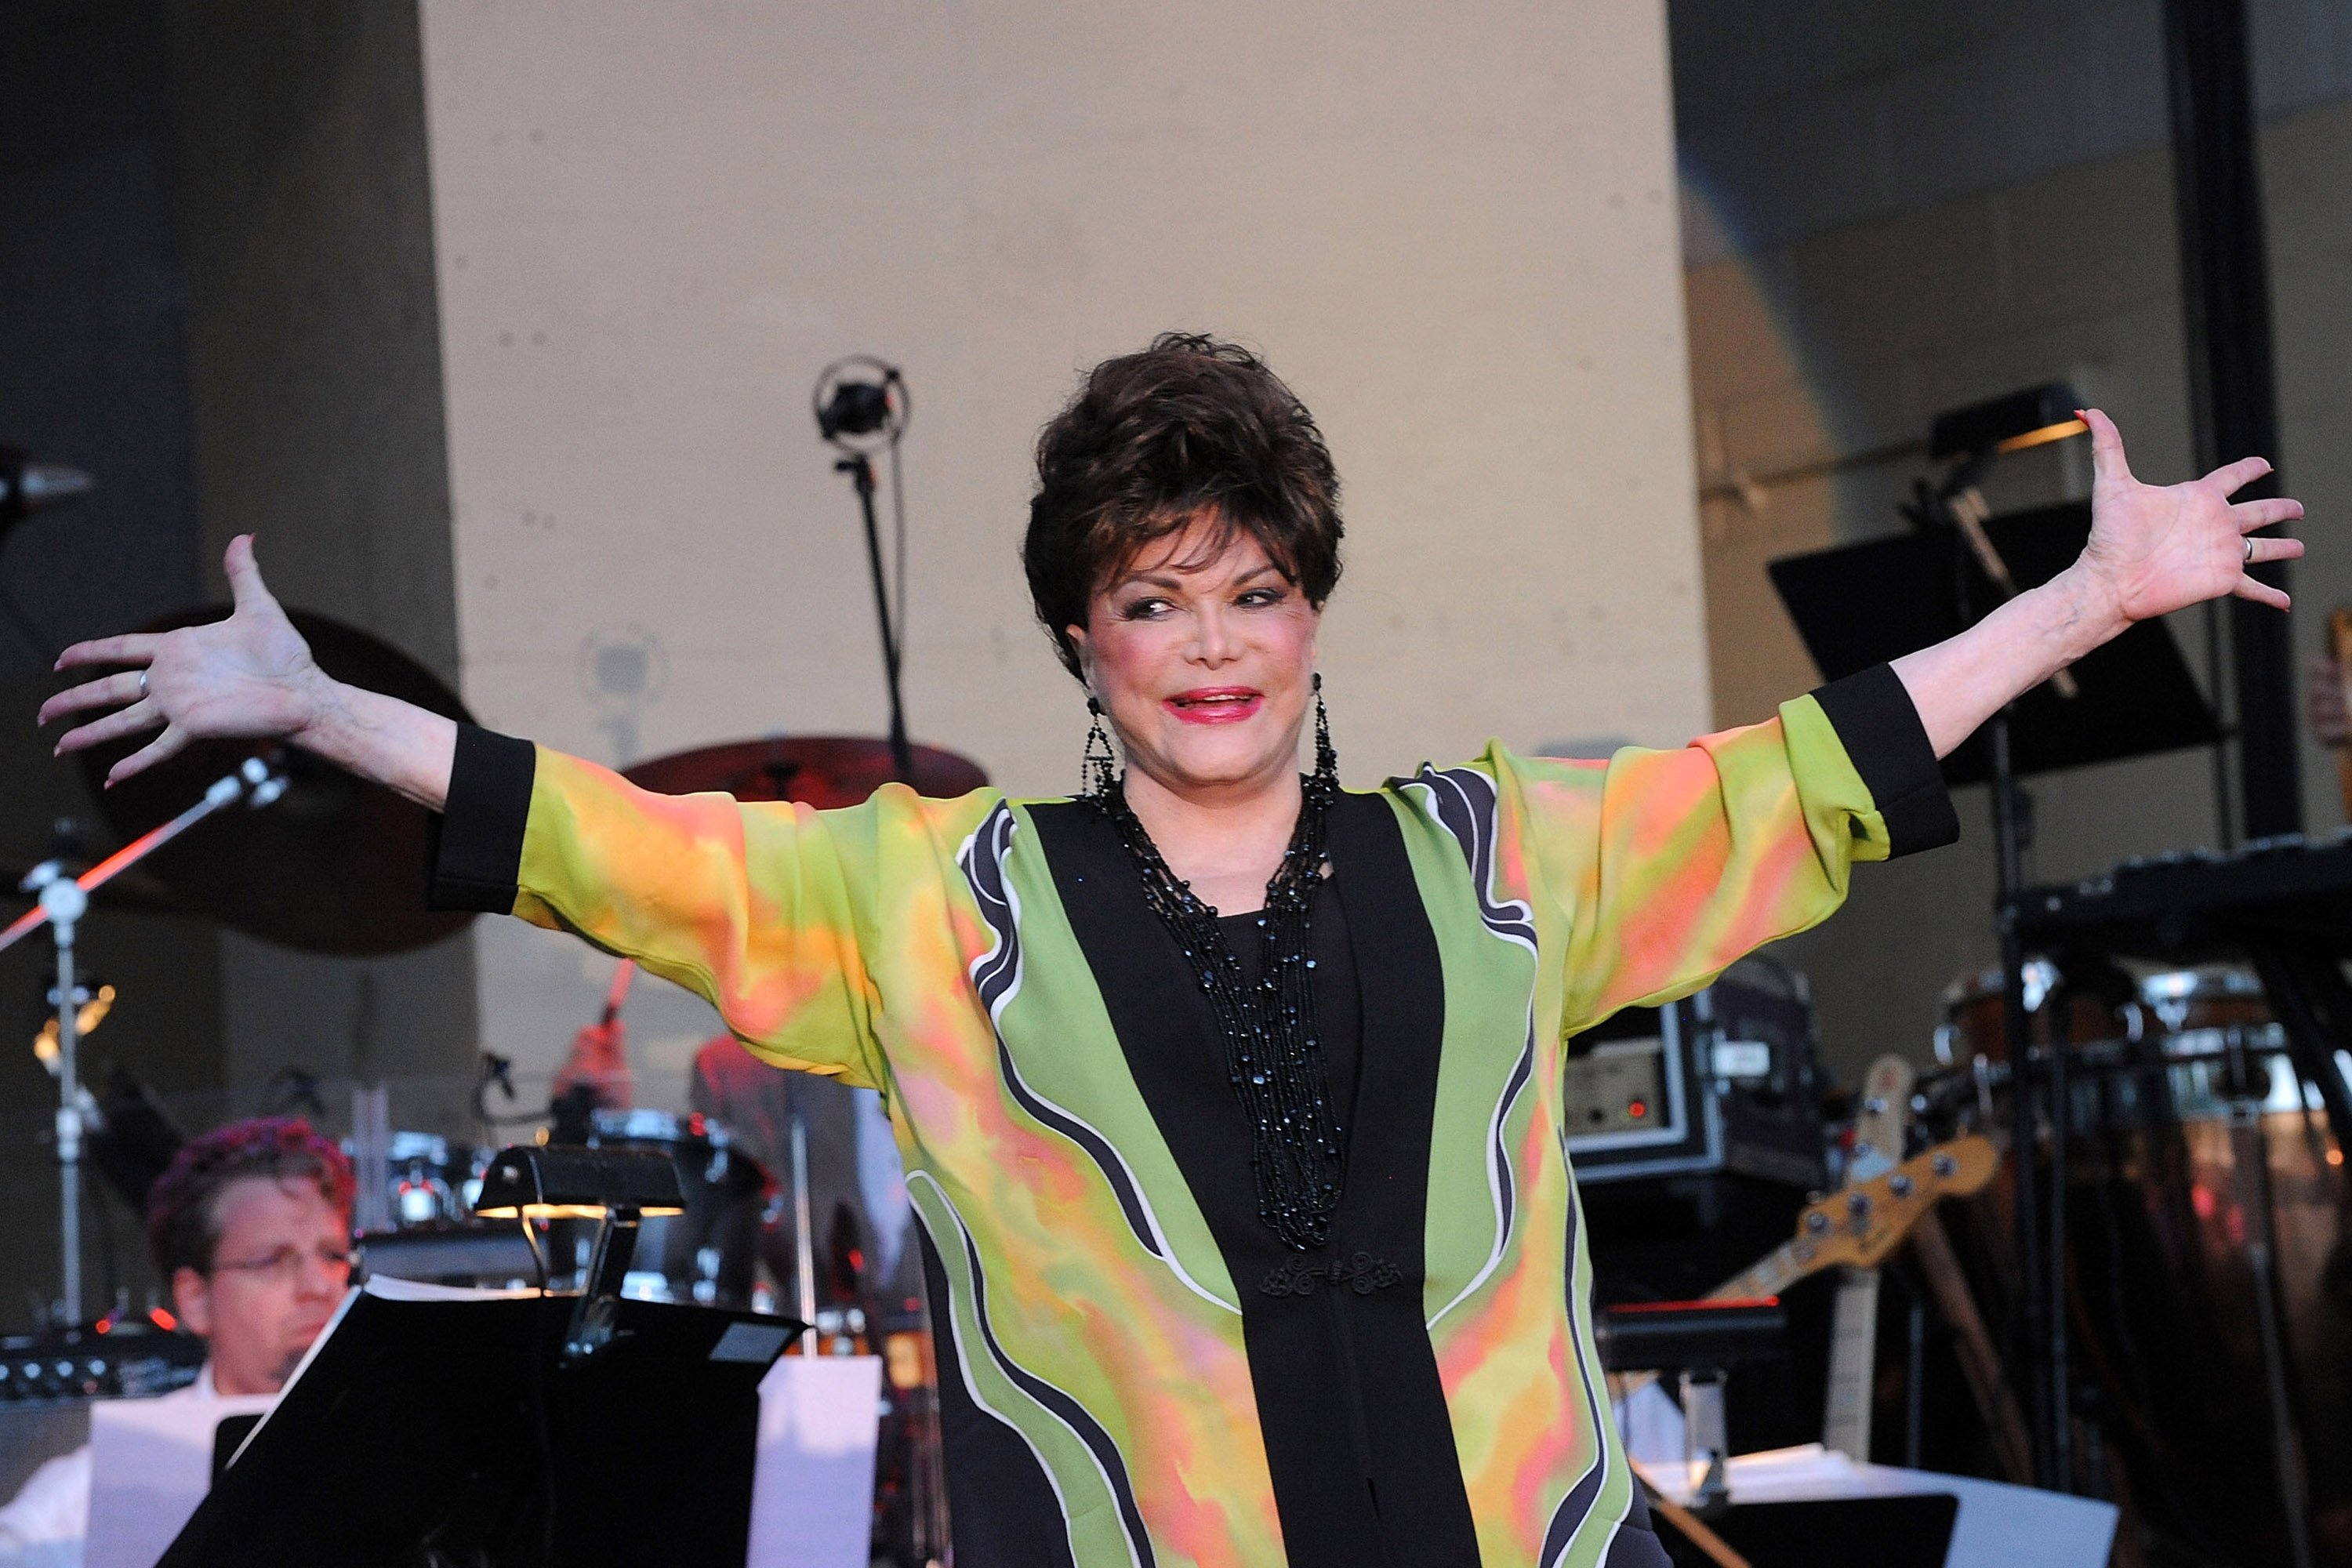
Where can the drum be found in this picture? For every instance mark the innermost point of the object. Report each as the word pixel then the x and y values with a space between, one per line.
pixel 709 1254
pixel 2194 1141
pixel 420 1187
pixel 426 1180
pixel 2192 1009
pixel 1974 1026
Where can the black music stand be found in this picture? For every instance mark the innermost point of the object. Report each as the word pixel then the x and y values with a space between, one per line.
pixel 1861 604
pixel 1909 1530
pixel 426 1431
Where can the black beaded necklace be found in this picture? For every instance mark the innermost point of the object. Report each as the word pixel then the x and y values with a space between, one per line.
pixel 1273 1059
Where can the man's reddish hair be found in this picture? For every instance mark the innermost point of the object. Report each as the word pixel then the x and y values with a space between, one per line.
pixel 182 1207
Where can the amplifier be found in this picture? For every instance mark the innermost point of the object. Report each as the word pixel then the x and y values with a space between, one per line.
pixel 132 1359
pixel 1723 1081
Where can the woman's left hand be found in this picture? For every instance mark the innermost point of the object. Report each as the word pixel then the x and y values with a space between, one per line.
pixel 2153 549
pixel 2158 548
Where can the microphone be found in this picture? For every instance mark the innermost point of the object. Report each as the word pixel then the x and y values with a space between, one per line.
pixel 855 409
pixel 860 404
pixel 29 487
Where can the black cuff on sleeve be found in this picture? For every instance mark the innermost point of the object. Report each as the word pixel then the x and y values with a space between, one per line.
pixel 1879 726
pixel 475 848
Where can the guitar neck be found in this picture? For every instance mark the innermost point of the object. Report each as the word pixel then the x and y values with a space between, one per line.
pixel 1856 1226
pixel 1768 1275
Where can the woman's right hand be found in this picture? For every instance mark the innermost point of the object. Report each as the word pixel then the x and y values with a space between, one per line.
pixel 249 677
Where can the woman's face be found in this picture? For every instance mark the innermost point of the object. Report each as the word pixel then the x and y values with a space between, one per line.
pixel 1203 660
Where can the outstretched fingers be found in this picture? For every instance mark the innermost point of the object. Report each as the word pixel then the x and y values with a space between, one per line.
pixel 244 584
pixel 106 691
pixel 2259 552
pixel 2231 478
pixel 2107 464
pixel 140 715
pixel 2261 593
pixel 131 647
pixel 162 748
pixel 2249 515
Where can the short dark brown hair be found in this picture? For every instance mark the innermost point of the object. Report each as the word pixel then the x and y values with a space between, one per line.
pixel 1190 428
pixel 184 1206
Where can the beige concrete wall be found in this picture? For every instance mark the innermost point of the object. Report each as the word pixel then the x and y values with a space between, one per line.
pixel 1453 230
pixel 1855 338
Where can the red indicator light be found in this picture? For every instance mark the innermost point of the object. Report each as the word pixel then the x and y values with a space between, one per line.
pixel 1638 1109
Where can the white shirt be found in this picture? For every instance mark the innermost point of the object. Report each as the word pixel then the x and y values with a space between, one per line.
pixel 45 1524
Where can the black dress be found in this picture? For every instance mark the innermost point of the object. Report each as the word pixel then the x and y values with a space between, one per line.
pixel 1354 1418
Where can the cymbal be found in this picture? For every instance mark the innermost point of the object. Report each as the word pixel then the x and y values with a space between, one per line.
pixel 337 864
pixel 822 770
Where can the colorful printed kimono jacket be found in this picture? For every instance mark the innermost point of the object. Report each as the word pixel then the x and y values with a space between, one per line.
pixel 1133 1370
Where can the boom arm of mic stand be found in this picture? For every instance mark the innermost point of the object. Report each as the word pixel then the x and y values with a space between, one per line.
pixel 63 901
pixel 2040 1237
pixel 266 785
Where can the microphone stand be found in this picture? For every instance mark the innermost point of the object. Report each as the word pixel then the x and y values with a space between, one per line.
pixel 63 901
pixel 804 1243
pixel 1956 511
pixel 860 469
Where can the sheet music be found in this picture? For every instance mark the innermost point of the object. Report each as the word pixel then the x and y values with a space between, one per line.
pixel 812 1491
pixel 150 1465
pixel 1999 1525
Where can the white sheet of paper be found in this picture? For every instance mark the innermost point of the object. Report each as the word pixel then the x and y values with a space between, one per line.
pixel 1999 1526
pixel 150 1463
pixel 813 1488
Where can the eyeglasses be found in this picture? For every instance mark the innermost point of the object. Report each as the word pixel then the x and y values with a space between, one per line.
pixel 286 1263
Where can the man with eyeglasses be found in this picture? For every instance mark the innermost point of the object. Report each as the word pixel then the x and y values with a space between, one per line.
pixel 251 1228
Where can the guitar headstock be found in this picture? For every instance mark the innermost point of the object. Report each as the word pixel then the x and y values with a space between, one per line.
pixel 1860 1224
pixel 1884 1118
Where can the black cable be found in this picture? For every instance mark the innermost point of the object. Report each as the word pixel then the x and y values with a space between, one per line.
pixel 538 1257
pixel 899 549
pixel 98 1201
pixel 2216 676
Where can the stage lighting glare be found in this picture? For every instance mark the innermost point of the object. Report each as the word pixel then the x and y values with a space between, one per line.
pixel 2009 423
pixel 2043 436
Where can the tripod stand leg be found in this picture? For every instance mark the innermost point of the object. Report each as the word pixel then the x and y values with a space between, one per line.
pixel 1692 1529
pixel 2250 1151
pixel 1980 1364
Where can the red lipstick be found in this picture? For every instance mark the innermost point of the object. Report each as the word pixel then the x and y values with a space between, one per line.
pixel 1216 704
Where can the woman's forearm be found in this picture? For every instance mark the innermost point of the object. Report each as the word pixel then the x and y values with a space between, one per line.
pixel 1964 681
pixel 397 743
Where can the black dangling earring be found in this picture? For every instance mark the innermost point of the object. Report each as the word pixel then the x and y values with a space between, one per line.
pixel 1326 760
pixel 1097 776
